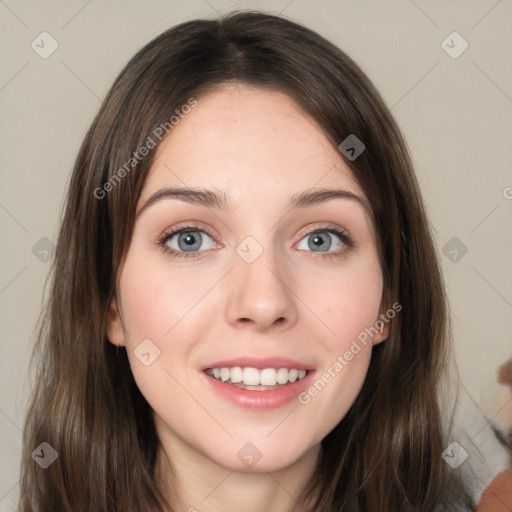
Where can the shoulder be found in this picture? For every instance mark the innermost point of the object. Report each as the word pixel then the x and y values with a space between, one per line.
pixel 497 497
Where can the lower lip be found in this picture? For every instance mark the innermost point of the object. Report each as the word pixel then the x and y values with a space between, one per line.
pixel 260 400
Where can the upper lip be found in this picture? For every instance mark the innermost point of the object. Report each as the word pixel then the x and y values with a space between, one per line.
pixel 260 363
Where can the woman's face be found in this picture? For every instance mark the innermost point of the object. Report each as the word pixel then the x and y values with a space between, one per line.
pixel 278 279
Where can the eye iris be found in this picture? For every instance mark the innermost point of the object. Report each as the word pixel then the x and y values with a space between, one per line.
pixel 318 240
pixel 192 241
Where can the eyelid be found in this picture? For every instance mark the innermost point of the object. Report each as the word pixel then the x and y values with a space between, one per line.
pixel 187 226
pixel 324 227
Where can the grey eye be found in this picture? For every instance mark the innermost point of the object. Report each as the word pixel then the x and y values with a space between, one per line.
pixel 188 241
pixel 320 241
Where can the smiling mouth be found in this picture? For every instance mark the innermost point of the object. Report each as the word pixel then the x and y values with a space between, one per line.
pixel 254 379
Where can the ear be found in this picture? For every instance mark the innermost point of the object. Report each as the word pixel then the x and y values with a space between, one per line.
pixel 383 333
pixel 382 322
pixel 115 331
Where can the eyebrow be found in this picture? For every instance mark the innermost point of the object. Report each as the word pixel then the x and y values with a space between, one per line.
pixel 213 198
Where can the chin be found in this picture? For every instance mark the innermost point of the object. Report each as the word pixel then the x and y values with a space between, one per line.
pixel 253 457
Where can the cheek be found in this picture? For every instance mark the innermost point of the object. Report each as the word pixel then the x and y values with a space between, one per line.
pixel 348 304
pixel 156 306
pixel 351 310
pixel 155 299
pixel 356 311
pixel 348 307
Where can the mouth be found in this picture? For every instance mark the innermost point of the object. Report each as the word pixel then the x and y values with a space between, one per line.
pixel 258 388
pixel 266 379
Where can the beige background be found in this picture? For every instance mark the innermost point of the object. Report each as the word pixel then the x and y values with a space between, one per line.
pixel 456 114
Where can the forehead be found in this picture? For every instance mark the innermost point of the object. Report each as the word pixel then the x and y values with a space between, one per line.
pixel 252 143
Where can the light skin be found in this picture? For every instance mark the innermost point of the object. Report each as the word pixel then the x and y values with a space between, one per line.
pixel 294 300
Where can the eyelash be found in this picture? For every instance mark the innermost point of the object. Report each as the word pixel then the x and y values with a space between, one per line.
pixel 162 241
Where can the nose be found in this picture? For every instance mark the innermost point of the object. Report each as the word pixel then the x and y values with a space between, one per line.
pixel 260 294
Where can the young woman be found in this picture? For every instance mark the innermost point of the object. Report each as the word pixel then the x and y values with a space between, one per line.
pixel 247 310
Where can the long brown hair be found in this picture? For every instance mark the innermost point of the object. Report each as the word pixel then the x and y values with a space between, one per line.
pixel 385 454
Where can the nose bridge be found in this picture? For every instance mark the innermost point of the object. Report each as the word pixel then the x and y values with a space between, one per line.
pixel 258 291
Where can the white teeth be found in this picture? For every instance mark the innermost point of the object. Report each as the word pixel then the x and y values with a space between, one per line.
pixel 268 377
pixel 282 375
pixel 236 375
pixel 255 377
pixel 251 376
